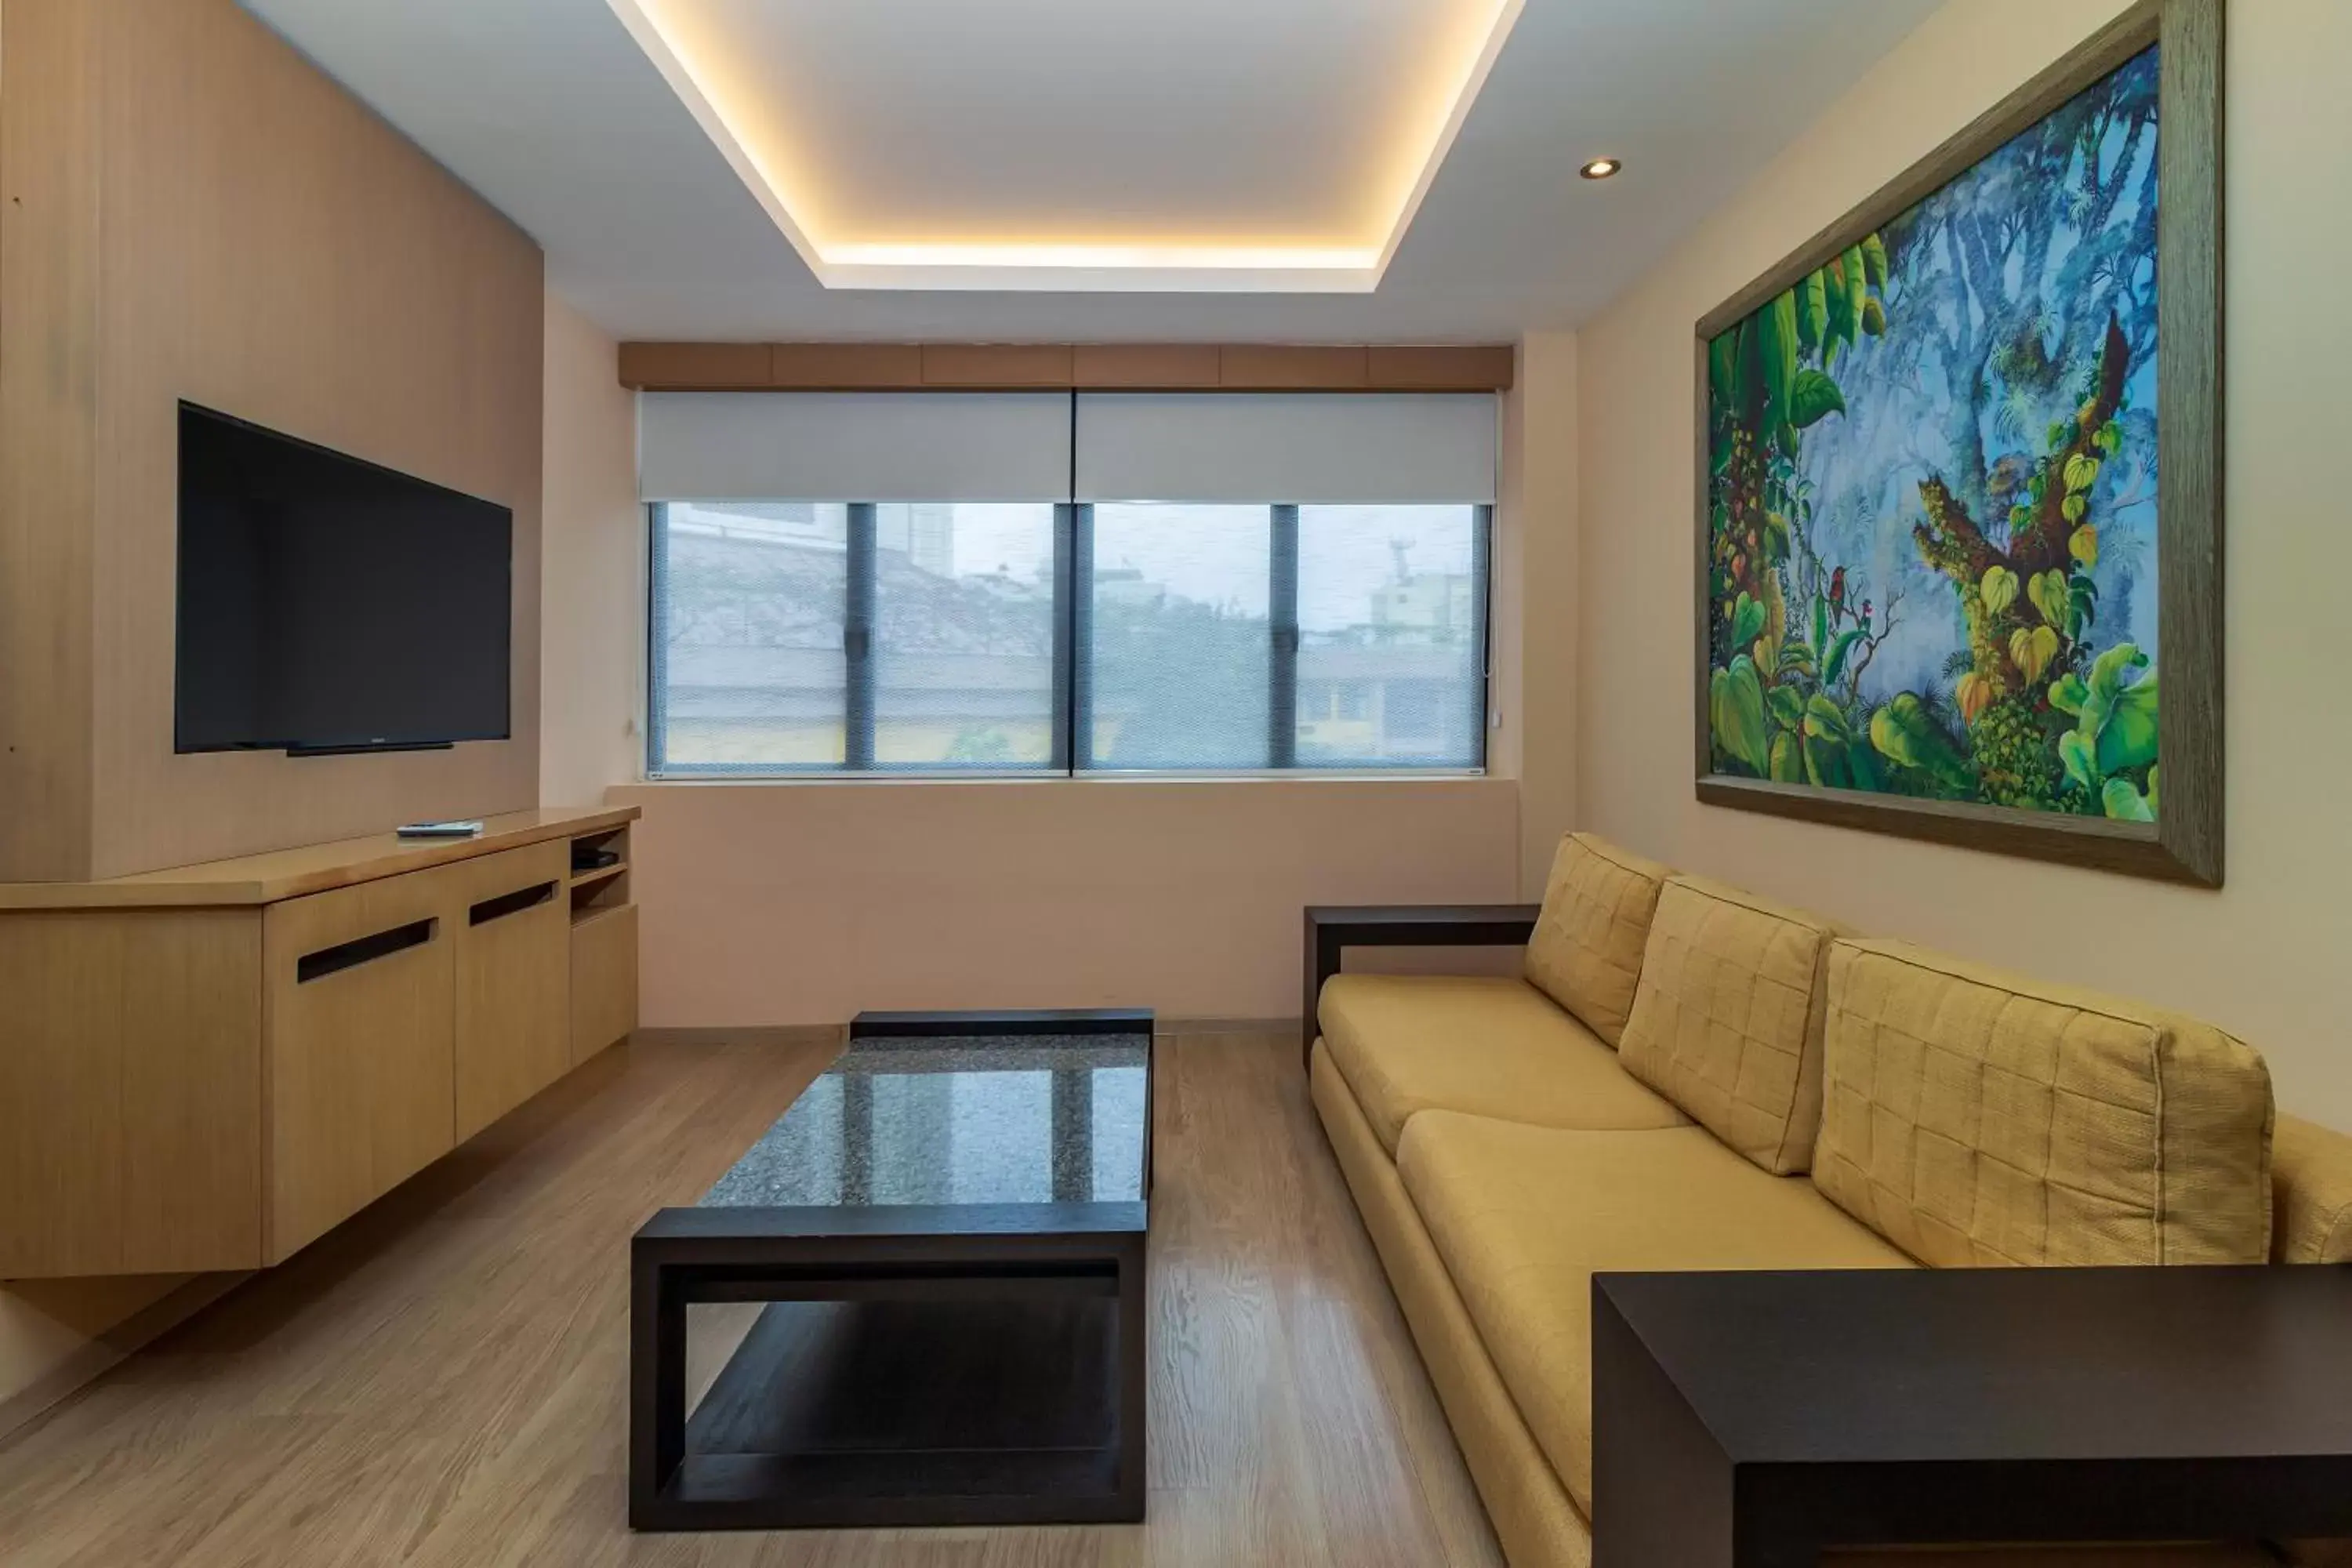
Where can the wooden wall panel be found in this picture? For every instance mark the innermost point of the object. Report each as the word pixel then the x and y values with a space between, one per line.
pixel 996 366
pixel 1146 367
pixel 1469 369
pixel 1285 367
pixel 273 249
pixel 1142 367
pixel 695 367
pixel 260 242
pixel 838 367
pixel 49 426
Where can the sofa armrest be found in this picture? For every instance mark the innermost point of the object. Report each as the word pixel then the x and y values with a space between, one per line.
pixel 1331 928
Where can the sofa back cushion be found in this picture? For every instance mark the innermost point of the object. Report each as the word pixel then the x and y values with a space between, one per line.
pixel 2311 1194
pixel 1974 1118
pixel 1586 952
pixel 1727 1021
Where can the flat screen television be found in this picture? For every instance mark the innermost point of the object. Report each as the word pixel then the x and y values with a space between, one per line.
pixel 327 604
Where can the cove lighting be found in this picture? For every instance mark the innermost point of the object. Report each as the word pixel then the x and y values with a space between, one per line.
pixel 681 52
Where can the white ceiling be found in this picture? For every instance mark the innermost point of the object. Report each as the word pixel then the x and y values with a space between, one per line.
pixel 555 113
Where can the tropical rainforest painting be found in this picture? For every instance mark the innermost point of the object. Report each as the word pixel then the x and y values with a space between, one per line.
pixel 1931 541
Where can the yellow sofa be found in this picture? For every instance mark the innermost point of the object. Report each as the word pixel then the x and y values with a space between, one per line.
pixel 1691 1078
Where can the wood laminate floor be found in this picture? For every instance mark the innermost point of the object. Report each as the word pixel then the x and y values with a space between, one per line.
pixel 442 1382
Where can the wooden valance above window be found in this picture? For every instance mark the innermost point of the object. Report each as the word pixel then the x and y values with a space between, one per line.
pixel 1055 367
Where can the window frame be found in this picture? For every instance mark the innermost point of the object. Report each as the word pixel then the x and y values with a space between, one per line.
pixel 1073 678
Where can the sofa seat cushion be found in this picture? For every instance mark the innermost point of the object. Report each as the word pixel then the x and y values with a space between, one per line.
pixel 1728 1020
pixel 1493 1046
pixel 1975 1117
pixel 1586 952
pixel 1524 1217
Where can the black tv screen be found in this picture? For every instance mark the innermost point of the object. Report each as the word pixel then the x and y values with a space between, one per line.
pixel 328 605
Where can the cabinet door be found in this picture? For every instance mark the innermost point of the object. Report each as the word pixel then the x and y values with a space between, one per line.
pixel 357 999
pixel 603 979
pixel 130 1092
pixel 512 923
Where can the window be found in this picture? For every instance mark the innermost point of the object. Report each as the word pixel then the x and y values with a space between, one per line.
pixel 1063 582
pixel 964 620
pixel 1392 637
pixel 750 659
pixel 1181 641
pixel 796 635
pixel 1130 637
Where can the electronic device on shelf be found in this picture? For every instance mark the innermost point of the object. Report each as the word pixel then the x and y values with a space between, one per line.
pixel 327 604
pixel 469 830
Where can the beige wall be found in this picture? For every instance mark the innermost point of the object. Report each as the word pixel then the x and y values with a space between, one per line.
pixel 807 903
pixel 196 213
pixel 2263 955
pixel 1544 482
pixel 594 591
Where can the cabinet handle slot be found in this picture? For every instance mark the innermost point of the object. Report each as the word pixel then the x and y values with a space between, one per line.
pixel 361 950
pixel 512 903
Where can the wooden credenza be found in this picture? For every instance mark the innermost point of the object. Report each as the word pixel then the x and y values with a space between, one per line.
pixel 208 1067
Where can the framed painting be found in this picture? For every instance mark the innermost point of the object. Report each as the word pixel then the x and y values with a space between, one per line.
pixel 1959 523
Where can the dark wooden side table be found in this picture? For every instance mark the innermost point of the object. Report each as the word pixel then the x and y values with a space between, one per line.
pixel 1754 1419
pixel 1332 929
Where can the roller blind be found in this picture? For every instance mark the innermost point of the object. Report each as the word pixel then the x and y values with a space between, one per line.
pixel 1358 449
pixel 868 445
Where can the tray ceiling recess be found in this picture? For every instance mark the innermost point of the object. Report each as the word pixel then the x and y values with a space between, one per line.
pixel 1188 146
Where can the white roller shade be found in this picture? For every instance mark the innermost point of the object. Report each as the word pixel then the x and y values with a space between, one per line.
pixel 854 446
pixel 1332 447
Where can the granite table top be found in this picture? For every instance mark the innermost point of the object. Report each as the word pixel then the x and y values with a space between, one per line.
pixel 955 1121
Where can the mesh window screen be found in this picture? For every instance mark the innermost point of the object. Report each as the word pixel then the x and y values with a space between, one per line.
pixel 964 645
pixel 1181 639
pixel 1391 621
pixel 748 615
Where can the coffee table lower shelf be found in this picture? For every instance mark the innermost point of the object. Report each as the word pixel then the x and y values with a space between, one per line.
pixel 915 1366
pixel 768 1492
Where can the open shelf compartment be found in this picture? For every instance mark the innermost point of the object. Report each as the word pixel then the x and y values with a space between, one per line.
pixel 600 871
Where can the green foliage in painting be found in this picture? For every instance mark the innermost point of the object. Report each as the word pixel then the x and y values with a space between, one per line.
pixel 2113 735
pixel 1781 702
pixel 1738 714
pixel 1812 398
pixel 1931 492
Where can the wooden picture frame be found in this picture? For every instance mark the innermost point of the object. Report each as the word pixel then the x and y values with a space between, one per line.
pixel 2185 843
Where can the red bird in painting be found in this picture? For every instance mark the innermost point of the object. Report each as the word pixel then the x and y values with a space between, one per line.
pixel 1837 594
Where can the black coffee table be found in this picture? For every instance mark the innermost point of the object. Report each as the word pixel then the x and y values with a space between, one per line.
pixel 1753 1419
pixel 948 1231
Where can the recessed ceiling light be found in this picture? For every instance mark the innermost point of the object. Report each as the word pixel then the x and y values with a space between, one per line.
pixel 1601 168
